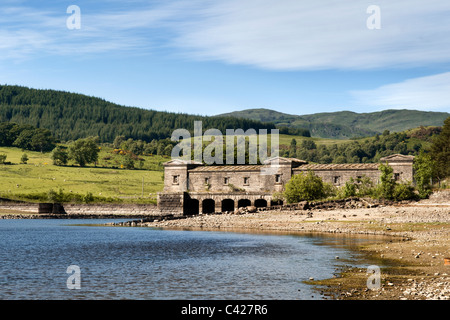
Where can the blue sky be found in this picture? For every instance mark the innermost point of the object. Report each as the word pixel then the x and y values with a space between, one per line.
pixel 214 56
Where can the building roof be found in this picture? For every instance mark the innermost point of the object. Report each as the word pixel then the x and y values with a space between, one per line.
pixel 176 162
pixel 339 166
pixel 227 168
pixel 289 160
pixel 397 157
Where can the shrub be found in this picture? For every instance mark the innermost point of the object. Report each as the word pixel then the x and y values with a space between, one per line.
pixel 88 197
pixel 24 158
pixel 387 184
pixel 403 191
pixel 329 190
pixel 60 156
pixel 128 162
pixel 365 187
pixel 304 187
pixel 423 173
pixel 349 189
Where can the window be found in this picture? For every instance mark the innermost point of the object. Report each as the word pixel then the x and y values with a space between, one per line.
pixel 206 180
pixel 225 180
pixel 175 179
pixel 397 176
pixel 336 179
pixel 278 178
pixel 246 181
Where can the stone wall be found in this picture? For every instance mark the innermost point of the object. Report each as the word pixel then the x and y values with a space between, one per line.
pixel 22 207
pixel 112 209
pixel 226 181
pixel 171 203
pixel 338 175
pixel 85 209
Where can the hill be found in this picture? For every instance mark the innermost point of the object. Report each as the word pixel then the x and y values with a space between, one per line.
pixel 346 124
pixel 70 116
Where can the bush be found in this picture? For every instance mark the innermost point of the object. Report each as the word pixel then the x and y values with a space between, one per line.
pixel 349 190
pixel 329 190
pixel 54 196
pixel 423 173
pixel 403 191
pixel 128 162
pixel 304 187
pixel 24 158
pixel 387 184
pixel 88 197
pixel 60 156
pixel 365 187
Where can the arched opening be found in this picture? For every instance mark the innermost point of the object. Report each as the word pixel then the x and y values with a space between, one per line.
pixel 208 206
pixel 191 207
pixel 227 205
pixel 276 202
pixel 244 203
pixel 260 203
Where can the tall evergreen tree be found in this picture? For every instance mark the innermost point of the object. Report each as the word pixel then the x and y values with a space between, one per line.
pixel 440 151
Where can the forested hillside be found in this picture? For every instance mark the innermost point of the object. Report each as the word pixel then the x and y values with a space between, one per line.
pixel 347 124
pixel 365 150
pixel 70 116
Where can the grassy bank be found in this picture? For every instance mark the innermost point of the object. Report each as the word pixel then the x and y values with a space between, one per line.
pixel 106 180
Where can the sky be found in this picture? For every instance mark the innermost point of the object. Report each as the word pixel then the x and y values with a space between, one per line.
pixel 209 57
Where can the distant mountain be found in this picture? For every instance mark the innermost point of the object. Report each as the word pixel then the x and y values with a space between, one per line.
pixel 70 116
pixel 346 124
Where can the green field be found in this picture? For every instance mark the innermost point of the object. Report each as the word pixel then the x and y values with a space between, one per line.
pixel 286 140
pixel 107 180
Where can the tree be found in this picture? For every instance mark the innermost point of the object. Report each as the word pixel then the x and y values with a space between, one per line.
pixel 84 151
pixel 118 141
pixel 440 152
pixel 304 186
pixel 23 141
pixel 3 158
pixel 128 162
pixel 387 183
pixel 423 173
pixel 403 191
pixel 349 189
pixel 35 139
pixel 42 140
pixel 60 156
pixel 24 158
pixel 293 149
pixel 308 144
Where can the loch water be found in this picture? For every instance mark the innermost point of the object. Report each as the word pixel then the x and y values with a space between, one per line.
pixel 145 263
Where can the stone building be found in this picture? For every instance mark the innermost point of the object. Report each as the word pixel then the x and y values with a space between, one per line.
pixel 191 187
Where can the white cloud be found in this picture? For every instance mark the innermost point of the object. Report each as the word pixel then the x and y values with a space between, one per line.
pixel 424 93
pixel 276 35
pixel 305 35
pixel 26 32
